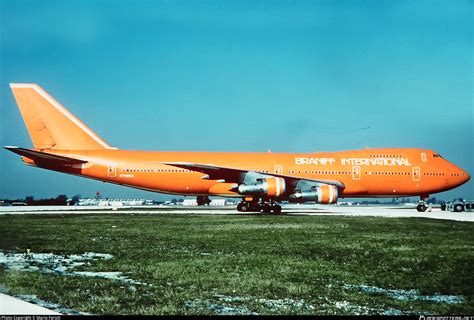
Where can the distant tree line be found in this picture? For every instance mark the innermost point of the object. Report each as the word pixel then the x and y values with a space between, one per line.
pixel 432 200
pixel 60 200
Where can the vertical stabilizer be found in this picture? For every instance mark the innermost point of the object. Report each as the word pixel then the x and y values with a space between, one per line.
pixel 50 125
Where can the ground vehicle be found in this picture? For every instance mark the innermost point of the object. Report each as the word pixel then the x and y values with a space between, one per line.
pixel 458 205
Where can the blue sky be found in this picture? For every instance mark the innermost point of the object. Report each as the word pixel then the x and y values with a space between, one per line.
pixel 289 76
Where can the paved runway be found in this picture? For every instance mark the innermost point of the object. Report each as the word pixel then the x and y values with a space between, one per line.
pixel 13 306
pixel 304 209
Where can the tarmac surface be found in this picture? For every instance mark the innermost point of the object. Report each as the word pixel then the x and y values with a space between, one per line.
pixel 401 211
pixel 13 306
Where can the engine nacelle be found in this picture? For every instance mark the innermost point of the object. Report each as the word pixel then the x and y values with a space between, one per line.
pixel 269 187
pixel 325 194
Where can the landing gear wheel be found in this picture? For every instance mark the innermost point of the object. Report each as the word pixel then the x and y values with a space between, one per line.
pixel 203 200
pixel 259 205
pixel 276 209
pixel 458 208
pixel 254 207
pixel 421 208
pixel 266 208
pixel 243 207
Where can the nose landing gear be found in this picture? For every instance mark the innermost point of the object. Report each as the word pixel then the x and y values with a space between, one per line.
pixel 422 206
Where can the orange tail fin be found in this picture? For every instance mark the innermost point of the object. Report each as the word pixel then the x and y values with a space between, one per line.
pixel 50 125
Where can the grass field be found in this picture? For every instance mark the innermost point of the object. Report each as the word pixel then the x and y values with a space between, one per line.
pixel 230 264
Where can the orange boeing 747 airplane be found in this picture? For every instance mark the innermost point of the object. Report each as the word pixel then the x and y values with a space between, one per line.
pixel 63 143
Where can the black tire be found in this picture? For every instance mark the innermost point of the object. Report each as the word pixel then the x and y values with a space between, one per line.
pixel 239 207
pixel 266 208
pixel 276 209
pixel 458 208
pixel 421 208
pixel 203 200
pixel 443 206
pixel 244 208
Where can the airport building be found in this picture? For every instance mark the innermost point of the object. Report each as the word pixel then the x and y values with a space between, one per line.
pixel 113 202
pixel 213 203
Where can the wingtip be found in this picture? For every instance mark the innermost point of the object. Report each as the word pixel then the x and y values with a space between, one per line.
pixel 10 147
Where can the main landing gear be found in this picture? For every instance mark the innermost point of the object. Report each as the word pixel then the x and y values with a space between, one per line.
pixel 259 206
pixel 203 200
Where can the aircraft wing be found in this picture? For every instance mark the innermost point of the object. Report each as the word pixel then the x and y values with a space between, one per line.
pixel 241 175
pixel 39 156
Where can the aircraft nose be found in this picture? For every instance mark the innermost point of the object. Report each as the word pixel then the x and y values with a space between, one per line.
pixel 458 176
pixel 461 176
pixel 466 177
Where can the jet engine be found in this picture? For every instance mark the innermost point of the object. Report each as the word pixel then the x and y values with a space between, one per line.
pixel 269 187
pixel 325 194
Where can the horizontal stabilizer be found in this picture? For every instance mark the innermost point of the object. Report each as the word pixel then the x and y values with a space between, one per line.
pixel 38 156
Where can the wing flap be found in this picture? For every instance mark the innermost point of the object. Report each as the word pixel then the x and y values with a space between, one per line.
pixel 39 156
pixel 212 172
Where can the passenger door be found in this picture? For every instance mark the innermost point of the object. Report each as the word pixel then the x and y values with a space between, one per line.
pixel 112 171
pixel 355 173
pixel 278 169
pixel 416 173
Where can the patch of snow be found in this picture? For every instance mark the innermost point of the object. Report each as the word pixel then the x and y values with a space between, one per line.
pixel 408 295
pixel 60 264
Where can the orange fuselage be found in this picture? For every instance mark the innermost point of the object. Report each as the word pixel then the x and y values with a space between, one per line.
pixel 364 173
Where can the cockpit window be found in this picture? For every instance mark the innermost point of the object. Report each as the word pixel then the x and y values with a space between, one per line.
pixel 437 155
